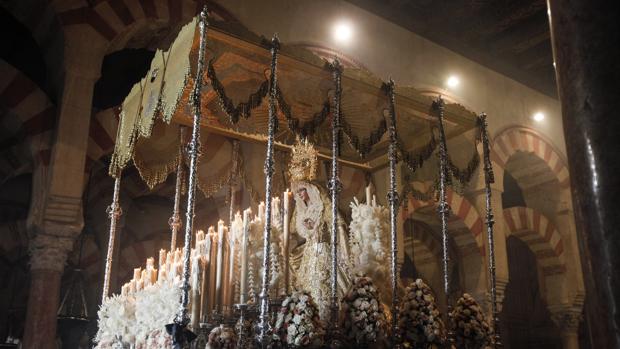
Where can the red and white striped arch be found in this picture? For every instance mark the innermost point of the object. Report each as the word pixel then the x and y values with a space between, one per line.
pixel 27 122
pixel 102 135
pixel 514 139
pixel 427 248
pixel 353 185
pixel 91 259
pixel 461 208
pixel 112 18
pixel 540 235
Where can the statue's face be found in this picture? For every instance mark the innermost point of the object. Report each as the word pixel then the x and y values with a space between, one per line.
pixel 302 194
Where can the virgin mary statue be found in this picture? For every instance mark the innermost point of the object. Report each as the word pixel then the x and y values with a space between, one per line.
pixel 311 261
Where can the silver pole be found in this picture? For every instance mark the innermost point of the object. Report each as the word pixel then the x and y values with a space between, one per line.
pixel 193 151
pixel 444 210
pixel 393 200
pixel 175 221
pixel 490 221
pixel 114 212
pixel 335 187
pixel 263 325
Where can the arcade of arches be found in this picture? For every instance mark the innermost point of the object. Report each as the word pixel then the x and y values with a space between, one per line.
pixel 67 65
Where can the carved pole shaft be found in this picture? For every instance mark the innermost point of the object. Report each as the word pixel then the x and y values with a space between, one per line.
pixel 334 191
pixel 444 210
pixel 393 200
pixel 193 151
pixel 263 326
pixel 489 178
pixel 175 220
pixel 114 212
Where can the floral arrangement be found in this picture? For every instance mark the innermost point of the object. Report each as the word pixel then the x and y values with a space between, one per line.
pixel 115 316
pixel 420 322
pixel 138 318
pixel 369 242
pixel 156 339
pixel 298 323
pixel 364 320
pixel 222 337
pixel 471 329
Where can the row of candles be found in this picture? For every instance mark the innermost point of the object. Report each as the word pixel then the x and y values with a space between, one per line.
pixel 217 261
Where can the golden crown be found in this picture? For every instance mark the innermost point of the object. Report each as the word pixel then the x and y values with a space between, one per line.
pixel 304 159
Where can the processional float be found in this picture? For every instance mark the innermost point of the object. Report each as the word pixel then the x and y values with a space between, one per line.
pixel 173 94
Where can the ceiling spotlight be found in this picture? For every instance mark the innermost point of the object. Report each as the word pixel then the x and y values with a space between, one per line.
pixel 453 81
pixel 538 117
pixel 342 32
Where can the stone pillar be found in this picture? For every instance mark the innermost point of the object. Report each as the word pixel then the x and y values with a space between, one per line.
pixel 565 222
pixel 48 255
pixel 586 45
pixel 55 217
pixel 568 321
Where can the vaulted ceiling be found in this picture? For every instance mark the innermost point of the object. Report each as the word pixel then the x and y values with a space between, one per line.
pixel 508 36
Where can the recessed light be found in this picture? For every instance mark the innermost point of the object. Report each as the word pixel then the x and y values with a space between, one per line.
pixel 343 32
pixel 453 81
pixel 538 117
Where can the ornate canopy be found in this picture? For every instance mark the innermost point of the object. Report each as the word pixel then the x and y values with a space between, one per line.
pixel 235 105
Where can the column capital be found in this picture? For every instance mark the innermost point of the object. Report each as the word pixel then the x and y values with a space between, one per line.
pixel 52 228
pixel 566 318
pixel 49 252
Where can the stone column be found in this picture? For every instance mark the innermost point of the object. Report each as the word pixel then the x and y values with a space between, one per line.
pixel 586 45
pixel 568 321
pixel 48 256
pixel 565 222
pixel 55 217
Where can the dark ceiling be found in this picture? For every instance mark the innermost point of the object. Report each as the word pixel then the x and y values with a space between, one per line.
pixel 508 36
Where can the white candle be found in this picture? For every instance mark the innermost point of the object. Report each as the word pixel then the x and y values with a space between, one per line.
pixel 243 285
pixel 234 236
pixel 275 212
pixel 368 194
pixel 195 292
pixel 137 273
pixel 200 235
pixel 150 263
pixel 261 211
pixel 288 199
pixel 162 258
pixel 161 277
pixel 219 263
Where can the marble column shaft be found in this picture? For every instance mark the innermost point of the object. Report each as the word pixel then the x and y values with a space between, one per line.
pixel 48 257
pixel 586 43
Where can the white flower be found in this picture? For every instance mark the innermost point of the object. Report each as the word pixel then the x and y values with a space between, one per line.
pixel 297 319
